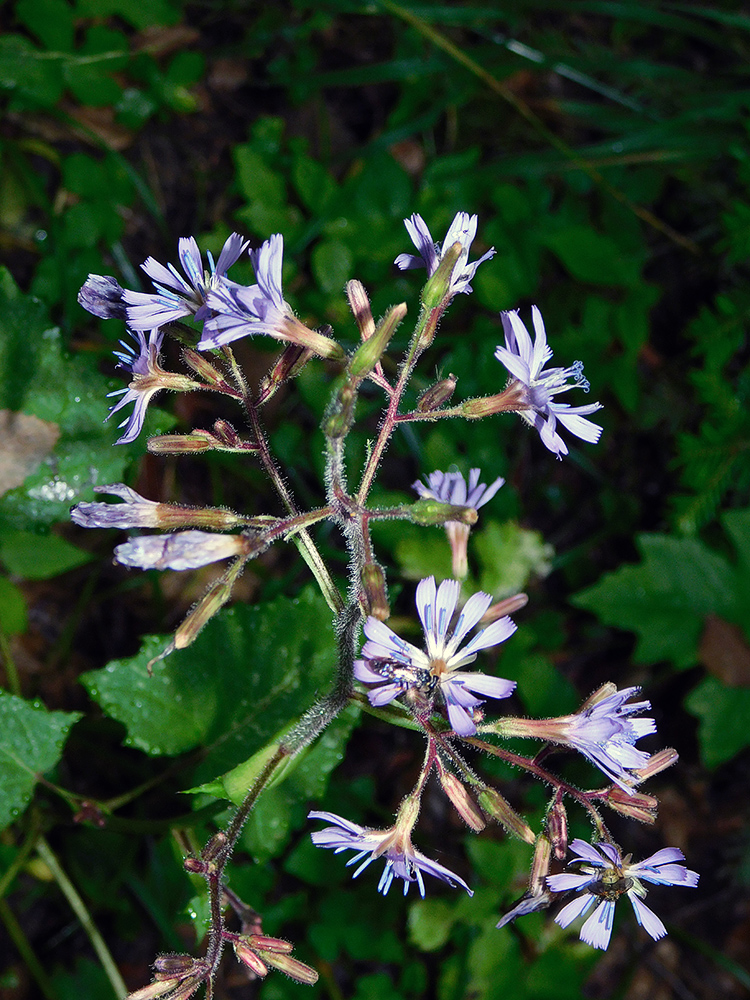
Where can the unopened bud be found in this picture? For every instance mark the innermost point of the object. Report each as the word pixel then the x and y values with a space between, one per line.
pixel 215 846
pixel 182 444
pixel 437 288
pixel 293 330
pixel 288 365
pixel 181 551
pixel 227 435
pixel 263 943
pixel 216 597
pixel 511 399
pixel 557 828
pixel 202 366
pixel 540 864
pixel 338 419
pixel 499 809
pixel 462 801
pixel 656 763
pixel 195 866
pixel 173 965
pixel 439 393
pixel 247 956
pixel 360 307
pixel 634 805
pixel 427 511
pixel 156 989
pixel 374 590
pixel 367 356
pixel 503 608
pixel 292 967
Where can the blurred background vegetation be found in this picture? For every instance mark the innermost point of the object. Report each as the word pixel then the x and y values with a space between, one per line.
pixel 604 147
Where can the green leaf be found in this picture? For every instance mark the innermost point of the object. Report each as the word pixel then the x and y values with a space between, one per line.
pixel 31 742
pixel 50 20
pixel 39 557
pixel 249 672
pixel 69 396
pixel 593 258
pixel 430 923
pixel 314 184
pixel 332 264
pixel 724 714
pixel 13 618
pixel 27 75
pixel 665 598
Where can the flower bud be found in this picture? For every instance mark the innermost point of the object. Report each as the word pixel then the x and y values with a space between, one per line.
pixel 101 295
pixel 263 943
pixel 540 864
pixel 367 356
pixel 293 330
pixel 215 846
pixel 656 763
pixel 439 393
pixel 503 608
pixel 427 511
pixel 247 956
pixel 292 967
pixel 511 399
pixel 359 304
pixel 155 989
pixel 338 419
pixel 557 828
pixel 462 801
pixel 215 599
pixel 634 805
pixel 202 366
pixel 437 288
pixel 185 550
pixel 173 965
pixel 374 592
pixel 195 866
pixel 181 444
pixel 288 365
pixel 495 806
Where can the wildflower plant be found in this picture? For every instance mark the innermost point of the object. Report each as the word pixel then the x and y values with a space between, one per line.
pixel 444 685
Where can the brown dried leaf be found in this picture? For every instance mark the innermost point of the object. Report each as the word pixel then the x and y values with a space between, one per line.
pixel 24 441
pixel 725 653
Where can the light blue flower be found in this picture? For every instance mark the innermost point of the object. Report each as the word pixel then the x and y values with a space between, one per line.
pixel 462 230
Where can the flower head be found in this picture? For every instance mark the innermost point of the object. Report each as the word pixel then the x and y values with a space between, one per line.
pixel 183 550
pixel 452 488
pixel 102 296
pixel 604 876
pixel 462 230
pixel 147 380
pixel 402 859
pixel 393 666
pixel 240 310
pixel 525 362
pixel 175 297
pixel 135 512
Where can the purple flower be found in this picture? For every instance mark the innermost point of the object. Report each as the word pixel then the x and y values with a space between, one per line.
pixel 181 551
pixel 526 362
pixel 452 488
pixel 135 512
pixel 175 297
pixel 148 378
pixel 402 859
pixel 393 666
pixel 604 876
pixel 103 296
pixel 462 230
pixel 242 310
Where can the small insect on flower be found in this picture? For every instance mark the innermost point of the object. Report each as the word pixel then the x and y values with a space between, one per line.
pixel 605 875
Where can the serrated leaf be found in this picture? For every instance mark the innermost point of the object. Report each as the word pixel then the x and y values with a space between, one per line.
pixel 249 672
pixel 665 598
pixel 724 714
pixel 31 742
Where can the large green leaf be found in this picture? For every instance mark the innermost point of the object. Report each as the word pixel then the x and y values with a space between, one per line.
pixel 31 741
pixel 724 714
pixel 250 672
pixel 665 598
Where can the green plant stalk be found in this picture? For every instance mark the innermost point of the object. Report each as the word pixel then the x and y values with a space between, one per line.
pixel 11 670
pixel 20 859
pixel 78 906
pixel 23 946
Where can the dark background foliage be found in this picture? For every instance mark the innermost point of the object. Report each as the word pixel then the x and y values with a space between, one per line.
pixel 604 148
